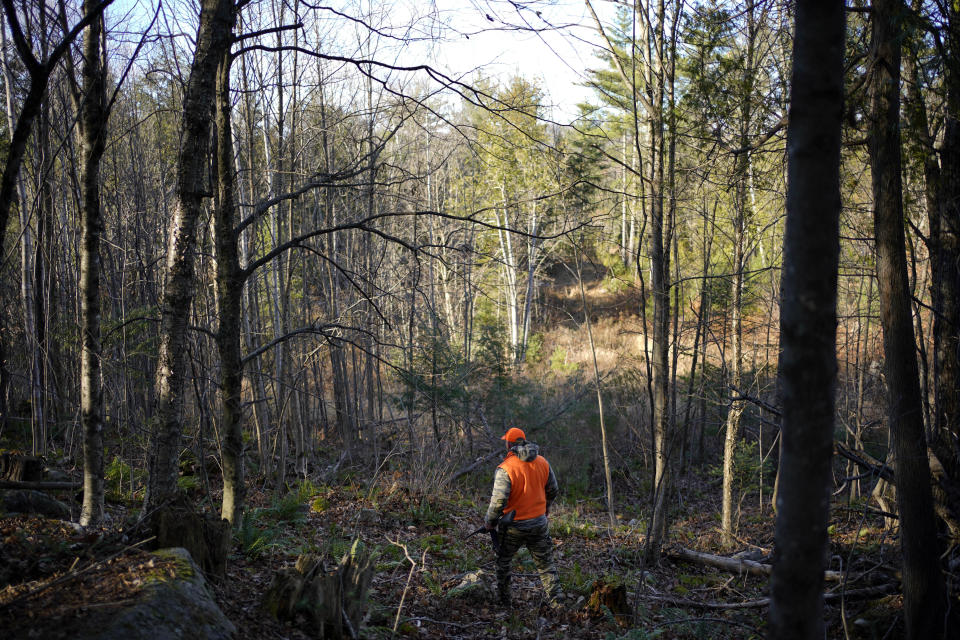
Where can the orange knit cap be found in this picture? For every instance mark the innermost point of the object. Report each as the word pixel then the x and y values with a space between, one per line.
pixel 513 434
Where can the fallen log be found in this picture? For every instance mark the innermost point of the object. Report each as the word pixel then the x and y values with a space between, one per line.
pixel 736 565
pixel 473 465
pixel 865 461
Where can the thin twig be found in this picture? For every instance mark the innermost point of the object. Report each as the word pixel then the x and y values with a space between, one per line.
pixel 403 597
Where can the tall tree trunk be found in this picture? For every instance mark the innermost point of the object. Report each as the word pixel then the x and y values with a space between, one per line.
pixel 213 40
pixel 808 320
pixel 924 589
pixel 42 264
pixel 741 213
pixel 666 443
pixel 624 222
pixel 945 260
pixel 346 421
pixel 229 296
pixel 737 405
pixel 92 137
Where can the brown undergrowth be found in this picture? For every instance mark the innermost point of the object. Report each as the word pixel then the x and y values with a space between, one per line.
pixel 55 576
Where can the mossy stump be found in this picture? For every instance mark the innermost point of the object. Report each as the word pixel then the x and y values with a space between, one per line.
pixel 334 601
pixel 206 537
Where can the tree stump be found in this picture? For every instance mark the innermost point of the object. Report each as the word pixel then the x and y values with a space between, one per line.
pixel 334 601
pixel 284 593
pixel 606 597
pixel 206 537
pixel 20 468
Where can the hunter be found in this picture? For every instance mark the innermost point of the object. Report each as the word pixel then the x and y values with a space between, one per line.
pixel 525 482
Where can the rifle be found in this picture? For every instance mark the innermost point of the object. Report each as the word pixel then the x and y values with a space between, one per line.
pixel 498 530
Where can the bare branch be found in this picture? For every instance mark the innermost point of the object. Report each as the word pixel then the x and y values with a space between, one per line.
pixel 19 40
pixel 262 32
pixel 312 330
pixel 136 52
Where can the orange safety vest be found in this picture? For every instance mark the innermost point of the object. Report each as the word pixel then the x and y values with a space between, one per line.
pixel 528 481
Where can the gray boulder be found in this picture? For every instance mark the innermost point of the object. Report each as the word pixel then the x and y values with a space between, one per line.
pixel 29 501
pixel 171 609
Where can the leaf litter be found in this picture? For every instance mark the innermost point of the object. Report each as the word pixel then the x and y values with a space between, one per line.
pixel 432 582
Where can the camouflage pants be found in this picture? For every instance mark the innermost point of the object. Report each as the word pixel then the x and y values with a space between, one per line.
pixel 535 536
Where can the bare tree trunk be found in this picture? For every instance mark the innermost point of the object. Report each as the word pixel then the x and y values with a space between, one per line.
pixel 742 211
pixel 341 397
pixel 666 443
pixel 808 318
pixel 924 590
pixel 632 230
pixel 943 198
pixel 92 137
pixel 229 296
pixel 862 367
pixel 366 419
pixel 213 40
pixel 737 405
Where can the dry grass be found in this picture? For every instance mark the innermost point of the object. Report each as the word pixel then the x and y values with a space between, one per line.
pixel 620 336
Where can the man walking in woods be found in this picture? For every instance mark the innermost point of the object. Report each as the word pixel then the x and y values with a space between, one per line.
pixel 524 482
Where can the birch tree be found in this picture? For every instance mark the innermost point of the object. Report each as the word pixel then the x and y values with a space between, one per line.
pixel 91 123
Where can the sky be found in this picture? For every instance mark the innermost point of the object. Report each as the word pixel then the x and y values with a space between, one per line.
pixel 501 39
pixel 548 41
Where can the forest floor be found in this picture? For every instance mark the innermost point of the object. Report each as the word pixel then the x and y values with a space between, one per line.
pixel 52 574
